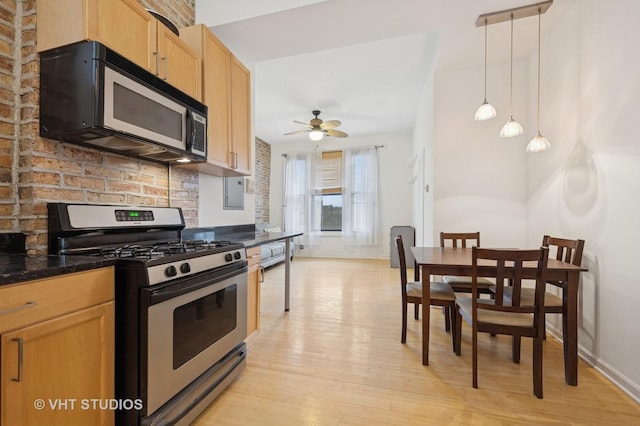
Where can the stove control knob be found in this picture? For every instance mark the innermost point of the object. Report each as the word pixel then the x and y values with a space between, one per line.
pixel 171 271
pixel 237 255
pixel 185 268
pixel 228 257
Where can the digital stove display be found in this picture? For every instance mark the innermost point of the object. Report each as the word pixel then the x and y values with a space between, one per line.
pixel 134 215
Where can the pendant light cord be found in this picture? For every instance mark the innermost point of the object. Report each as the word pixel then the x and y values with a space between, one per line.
pixel 485 60
pixel 539 19
pixel 511 74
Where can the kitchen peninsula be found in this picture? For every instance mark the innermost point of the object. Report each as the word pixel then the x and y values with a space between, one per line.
pixel 247 235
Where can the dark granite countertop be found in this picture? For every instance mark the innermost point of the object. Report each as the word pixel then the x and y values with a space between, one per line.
pixel 15 268
pixel 245 234
pixel 260 238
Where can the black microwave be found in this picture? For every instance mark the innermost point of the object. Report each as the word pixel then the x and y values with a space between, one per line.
pixel 93 96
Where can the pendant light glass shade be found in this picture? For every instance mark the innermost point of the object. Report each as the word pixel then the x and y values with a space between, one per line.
pixel 539 143
pixel 511 128
pixel 486 111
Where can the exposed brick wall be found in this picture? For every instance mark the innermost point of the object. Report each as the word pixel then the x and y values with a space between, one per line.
pixel 263 180
pixel 8 118
pixel 34 171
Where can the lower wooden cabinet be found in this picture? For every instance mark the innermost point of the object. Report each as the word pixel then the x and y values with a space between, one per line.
pixel 253 290
pixel 60 370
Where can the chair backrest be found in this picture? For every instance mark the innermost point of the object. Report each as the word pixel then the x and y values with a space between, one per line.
pixel 403 262
pixel 509 264
pixel 569 251
pixel 459 239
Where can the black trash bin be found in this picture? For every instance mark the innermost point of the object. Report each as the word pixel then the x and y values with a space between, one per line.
pixel 408 234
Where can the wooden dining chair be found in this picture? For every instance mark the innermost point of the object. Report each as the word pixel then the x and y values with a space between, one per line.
pixel 569 251
pixel 494 316
pixel 441 295
pixel 463 240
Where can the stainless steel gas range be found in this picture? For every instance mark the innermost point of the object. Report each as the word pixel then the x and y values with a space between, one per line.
pixel 181 306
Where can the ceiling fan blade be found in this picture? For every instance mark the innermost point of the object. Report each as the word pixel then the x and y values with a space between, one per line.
pixel 301 122
pixel 296 131
pixel 331 124
pixel 336 133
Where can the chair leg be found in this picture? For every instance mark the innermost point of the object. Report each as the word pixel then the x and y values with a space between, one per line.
pixel 447 318
pixel 515 349
pixel 474 349
pixel 452 319
pixel 492 295
pixel 416 310
pixel 403 339
pixel 458 333
pixel 537 367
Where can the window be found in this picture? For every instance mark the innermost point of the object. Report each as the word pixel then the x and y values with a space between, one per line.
pixel 333 191
pixel 331 196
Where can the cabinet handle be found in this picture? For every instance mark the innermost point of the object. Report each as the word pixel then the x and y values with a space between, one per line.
pixel 235 160
pixel 17 308
pixel 20 358
pixel 164 60
pixel 157 55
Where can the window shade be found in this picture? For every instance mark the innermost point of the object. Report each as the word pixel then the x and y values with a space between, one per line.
pixel 332 172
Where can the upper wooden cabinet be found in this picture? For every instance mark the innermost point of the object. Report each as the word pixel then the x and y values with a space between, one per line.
pixel 127 28
pixel 240 117
pixel 226 90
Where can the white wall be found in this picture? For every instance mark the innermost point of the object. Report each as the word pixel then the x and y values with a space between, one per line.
pixel 210 211
pixel 394 191
pixel 479 178
pixel 587 186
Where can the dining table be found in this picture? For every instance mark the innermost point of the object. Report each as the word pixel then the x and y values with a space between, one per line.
pixel 457 261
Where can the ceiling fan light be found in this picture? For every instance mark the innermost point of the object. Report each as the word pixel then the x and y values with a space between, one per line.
pixel 510 129
pixel 538 144
pixel 316 135
pixel 486 111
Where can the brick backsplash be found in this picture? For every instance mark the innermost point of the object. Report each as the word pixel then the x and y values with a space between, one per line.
pixel 34 171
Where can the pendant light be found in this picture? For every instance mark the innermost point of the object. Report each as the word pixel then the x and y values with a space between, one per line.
pixel 511 128
pixel 538 143
pixel 486 111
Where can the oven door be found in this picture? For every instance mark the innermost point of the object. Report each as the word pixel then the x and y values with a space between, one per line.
pixel 190 324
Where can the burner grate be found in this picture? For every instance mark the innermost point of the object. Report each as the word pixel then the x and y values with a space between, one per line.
pixel 161 249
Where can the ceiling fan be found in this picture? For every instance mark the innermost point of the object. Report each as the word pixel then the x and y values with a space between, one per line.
pixel 318 128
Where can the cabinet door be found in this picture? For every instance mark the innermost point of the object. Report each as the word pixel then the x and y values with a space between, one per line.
pixel 66 359
pixel 240 117
pixel 178 64
pixel 126 27
pixel 123 25
pixel 216 92
pixel 253 299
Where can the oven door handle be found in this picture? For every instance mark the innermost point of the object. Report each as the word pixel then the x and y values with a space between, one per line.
pixel 188 285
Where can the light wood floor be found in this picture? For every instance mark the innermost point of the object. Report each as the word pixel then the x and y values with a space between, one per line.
pixel 336 359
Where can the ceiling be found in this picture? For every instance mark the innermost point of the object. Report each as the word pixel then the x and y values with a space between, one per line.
pixel 364 62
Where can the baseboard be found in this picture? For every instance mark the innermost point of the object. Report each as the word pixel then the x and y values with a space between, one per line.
pixel 614 376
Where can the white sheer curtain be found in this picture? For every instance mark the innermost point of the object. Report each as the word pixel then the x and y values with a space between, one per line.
pixel 360 197
pixel 301 208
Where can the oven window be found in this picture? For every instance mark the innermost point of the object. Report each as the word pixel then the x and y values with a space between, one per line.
pixel 202 322
pixel 133 108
